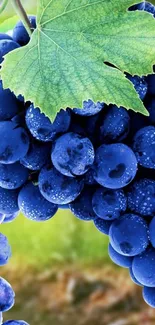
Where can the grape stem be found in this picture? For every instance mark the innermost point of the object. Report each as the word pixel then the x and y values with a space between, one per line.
pixel 3 5
pixel 22 15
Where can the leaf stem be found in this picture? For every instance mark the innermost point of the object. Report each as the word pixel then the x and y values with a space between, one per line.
pixel 3 5
pixel 22 15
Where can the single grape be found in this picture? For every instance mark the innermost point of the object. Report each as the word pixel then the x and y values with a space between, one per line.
pixel 140 85
pixel 115 125
pixel 121 260
pixel 5 36
pixel 82 206
pixel 115 165
pixel 143 267
pixel 33 204
pixel 15 142
pixel 5 250
pixel 15 322
pixel 37 156
pixel 89 108
pixel 13 176
pixel 8 104
pixel 72 154
pixel 58 188
pixel 20 35
pixel 144 146
pixel 149 296
pixel 41 127
pixel 141 197
pixel 8 201
pixel 109 204
pixel 7 295
pixel 6 46
pixel 123 235
pixel 133 277
pixel 103 225
pixel 7 218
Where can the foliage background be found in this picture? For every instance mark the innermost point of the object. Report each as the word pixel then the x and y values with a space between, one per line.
pixel 61 271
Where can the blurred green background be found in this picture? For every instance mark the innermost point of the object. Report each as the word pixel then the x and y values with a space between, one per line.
pixel 61 271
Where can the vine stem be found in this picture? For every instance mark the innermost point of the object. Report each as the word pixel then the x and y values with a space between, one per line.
pixel 22 15
pixel 3 5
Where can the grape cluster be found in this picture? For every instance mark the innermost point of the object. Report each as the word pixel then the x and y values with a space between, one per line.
pixel 98 161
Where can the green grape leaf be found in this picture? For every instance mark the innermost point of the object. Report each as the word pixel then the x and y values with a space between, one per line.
pixel 66 60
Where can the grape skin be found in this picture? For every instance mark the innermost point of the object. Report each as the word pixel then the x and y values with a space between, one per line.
pixel 15 322
pixel 115 165
pixel 144 146
pixel 8 104
pixel 121 260
pixel 13 176
pixel 103 225
pixel 33 204
pixel 15 142
pixel 123 235
pixel 143 267
pixel 109 204
pixel 6 46
pixel 5 250
pixel 58 188
pixel 8 201
pixel 82 206
pixel 72 155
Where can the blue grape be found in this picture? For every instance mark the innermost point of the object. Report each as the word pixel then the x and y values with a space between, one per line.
pixel 152 232
pixel 121 260
pixel 13 176
pixel 144 146
pixel 141 197
pixel 33 204
pixel 7 46
pixel 143 267
pixel 4 36
pixel 115 126
pixel 8 201
pixel 89 108
pixel 115 165
pixel 82 206
pixel 15 142
pixel 58 188
pixel 15 322
pixel 20 35
pixel 72 154
pixel 133 277
pixel 109 204
pixel 37 156
pixel 41 127
pixel 9 217
pixel 140 85
pixel 123 235
pixel 149 296
pixel 103 225
pixel 8 104
pixel 5 250
pixel 7 295
pixel 149 7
